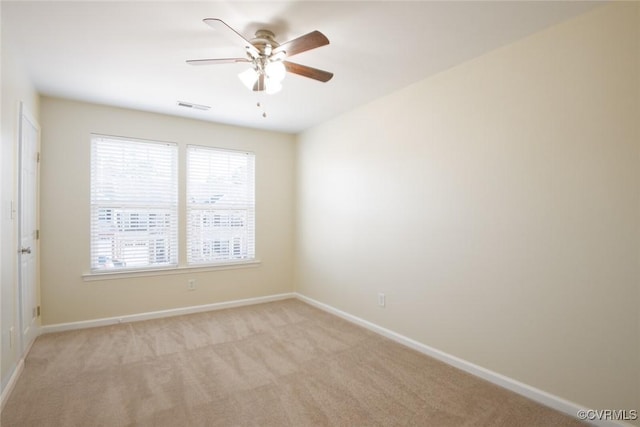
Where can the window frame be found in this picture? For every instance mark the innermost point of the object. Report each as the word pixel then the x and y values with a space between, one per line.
pixel 182 266
pixel 122 211
pixel 222 216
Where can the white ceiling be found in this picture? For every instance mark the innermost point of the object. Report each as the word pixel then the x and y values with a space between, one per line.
pixel 132 54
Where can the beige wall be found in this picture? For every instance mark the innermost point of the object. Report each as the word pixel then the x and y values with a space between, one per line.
pixel 497 206
pixel 65 214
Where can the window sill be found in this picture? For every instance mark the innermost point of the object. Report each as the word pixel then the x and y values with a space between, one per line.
pixel 112 275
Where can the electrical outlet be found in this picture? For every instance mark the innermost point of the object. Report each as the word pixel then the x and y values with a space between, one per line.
pixel 381 300
pixel 191 284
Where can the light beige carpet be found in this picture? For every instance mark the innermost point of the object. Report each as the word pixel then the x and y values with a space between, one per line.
pixel 277 364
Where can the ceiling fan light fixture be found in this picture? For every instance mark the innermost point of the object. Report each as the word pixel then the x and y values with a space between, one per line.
pixel 273 86
pixel 275 71
pixel 248 78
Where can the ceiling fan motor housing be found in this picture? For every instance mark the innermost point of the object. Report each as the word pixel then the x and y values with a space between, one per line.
pixel 265 42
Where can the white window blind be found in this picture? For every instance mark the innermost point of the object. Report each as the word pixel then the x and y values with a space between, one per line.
pixel 220 205
pixel 134 203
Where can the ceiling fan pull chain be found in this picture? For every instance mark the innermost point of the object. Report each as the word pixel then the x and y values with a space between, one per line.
pixel 264 112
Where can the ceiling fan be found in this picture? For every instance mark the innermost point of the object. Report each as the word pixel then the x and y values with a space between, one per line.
pixel 267 57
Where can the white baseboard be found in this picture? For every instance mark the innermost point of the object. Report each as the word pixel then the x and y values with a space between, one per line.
pixel 537 395
pixel 6 392
pixel 60 327
pixel 13 379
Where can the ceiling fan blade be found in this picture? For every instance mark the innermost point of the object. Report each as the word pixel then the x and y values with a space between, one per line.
pixel 259 85
pixel 306 71
pixel 303 43
pixel 216 61
pixel 236 37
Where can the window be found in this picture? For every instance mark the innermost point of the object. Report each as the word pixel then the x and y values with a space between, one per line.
pixel 134 203
pixel 220 205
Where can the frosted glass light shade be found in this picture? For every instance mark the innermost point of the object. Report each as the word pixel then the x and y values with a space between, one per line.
pixel 248 78
pixel 276 71
pixel 273 86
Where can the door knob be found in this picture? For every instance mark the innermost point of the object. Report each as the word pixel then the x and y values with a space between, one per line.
pixel 25 250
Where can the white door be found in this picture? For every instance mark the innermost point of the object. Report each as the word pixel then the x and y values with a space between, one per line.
pixel 28 227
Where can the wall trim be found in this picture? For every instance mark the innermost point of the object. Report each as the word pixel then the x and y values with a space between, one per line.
pixel 128 274
pixel 547 399
pixel 60 327
pixel 13 379
pixel 6 392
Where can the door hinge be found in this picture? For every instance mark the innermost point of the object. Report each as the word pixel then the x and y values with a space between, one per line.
pixel 38 309
pixel 37 234
pixel 38 157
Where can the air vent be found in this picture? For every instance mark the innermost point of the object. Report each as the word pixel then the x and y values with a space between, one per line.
pixel 194 106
